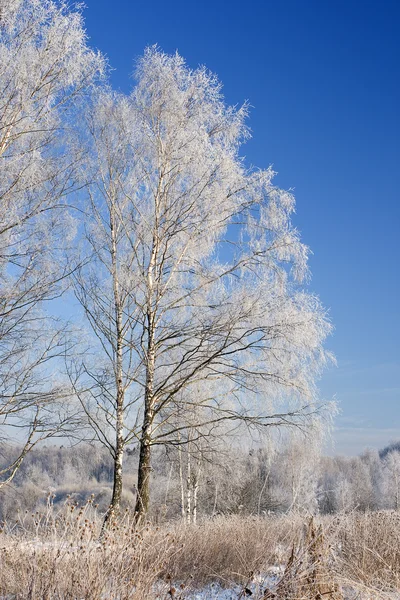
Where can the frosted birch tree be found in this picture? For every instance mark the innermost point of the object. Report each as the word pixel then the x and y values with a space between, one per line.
pixel 391 470
pixel 46 69
pixel 196 284
pixel 108 382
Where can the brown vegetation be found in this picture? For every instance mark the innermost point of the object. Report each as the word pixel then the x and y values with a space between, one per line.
pixel 60 554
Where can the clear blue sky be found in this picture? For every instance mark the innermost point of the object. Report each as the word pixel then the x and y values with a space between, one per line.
pixel 323 80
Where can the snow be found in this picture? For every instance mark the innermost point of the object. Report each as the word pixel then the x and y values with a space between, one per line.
pixel 215 591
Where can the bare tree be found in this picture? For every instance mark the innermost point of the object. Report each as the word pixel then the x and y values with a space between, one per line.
pixel 195 288
pixel 45 69
pixel 391 466
pixel 297 473
pixel 106 283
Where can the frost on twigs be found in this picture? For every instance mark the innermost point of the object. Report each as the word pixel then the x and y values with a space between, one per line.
pixel 46 70
pixel 195 285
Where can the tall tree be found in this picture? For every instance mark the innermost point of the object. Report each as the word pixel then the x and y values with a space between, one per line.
pixel 46 68
pixel 106 283
pixel 195 290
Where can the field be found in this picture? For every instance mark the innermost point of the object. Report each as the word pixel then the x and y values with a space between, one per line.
pixel 63 555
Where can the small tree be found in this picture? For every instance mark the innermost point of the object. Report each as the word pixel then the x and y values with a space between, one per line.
pixel 45 67
pixel 391 467
pixel 197 301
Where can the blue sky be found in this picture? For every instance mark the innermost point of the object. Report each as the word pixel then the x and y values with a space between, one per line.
pixel 323 80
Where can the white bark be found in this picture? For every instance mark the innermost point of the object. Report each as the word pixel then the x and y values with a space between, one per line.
pixel 218 328
pixel 182 487
pixel 195 485
pixel 188 486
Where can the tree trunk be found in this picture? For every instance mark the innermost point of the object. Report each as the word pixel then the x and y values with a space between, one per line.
pixel 120 392
pixel 195 488
pixel 195 493
pixel 144 468
pixel 117 486
pixel 181 481
pixel 188 487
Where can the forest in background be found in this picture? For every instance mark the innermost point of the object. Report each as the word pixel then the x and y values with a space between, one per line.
pixel 258 482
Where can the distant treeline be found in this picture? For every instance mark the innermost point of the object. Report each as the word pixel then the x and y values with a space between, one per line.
pixel 236 481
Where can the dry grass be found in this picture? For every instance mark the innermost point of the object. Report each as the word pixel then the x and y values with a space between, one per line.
pixel 59 555
pixel 227 549
pixel 368 546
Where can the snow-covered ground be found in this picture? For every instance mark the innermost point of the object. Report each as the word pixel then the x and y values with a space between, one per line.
pixel 215 591
pixel 260 583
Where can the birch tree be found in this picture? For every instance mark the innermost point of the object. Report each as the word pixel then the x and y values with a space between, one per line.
pixel 46 68
pixel 106 283
pixel 391 468
pixel 196 288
